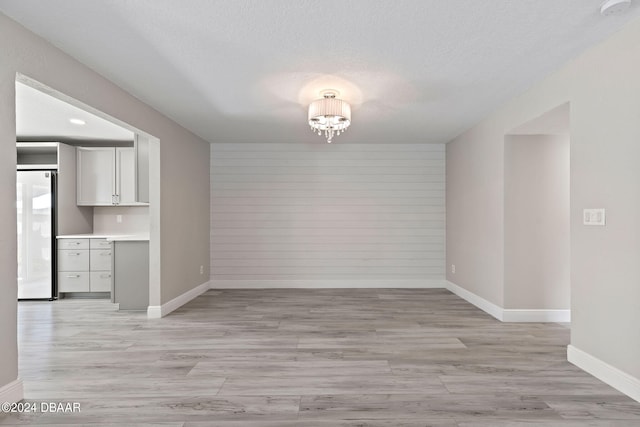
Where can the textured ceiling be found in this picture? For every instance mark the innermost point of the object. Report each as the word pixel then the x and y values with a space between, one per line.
pixel 243 70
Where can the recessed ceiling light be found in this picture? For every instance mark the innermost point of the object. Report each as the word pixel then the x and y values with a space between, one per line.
pixel 79 122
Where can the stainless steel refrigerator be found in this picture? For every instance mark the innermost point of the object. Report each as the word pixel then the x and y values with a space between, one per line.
pixel 35 204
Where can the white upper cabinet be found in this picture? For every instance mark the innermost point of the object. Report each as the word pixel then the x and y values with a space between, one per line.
pixel 142 167
pixel 107 176
pixel 96 176
pixel 126 175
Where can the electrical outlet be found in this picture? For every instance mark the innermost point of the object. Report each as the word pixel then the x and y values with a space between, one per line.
pixel 118 219
pixel 453 269
pixel 594 216
pixel 202 269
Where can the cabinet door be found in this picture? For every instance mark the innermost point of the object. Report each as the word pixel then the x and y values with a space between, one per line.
pixel 73 244
pixel 73 260
pixel 142 172
pixel 100 260
pixel 73 281
pixel 98 244
pixel 126 175
pixel 96 176
pixel 100 281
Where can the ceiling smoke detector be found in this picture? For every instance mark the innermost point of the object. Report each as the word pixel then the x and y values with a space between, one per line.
pixel 614 7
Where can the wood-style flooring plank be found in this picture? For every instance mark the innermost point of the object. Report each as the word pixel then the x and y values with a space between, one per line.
pixel 306 358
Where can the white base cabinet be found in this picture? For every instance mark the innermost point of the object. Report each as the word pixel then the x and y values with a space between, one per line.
pixel 85 265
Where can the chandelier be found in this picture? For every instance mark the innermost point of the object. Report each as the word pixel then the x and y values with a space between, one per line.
pixel 329 115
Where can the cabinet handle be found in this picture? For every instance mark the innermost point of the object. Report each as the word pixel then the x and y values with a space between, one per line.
pixel 74 254
pixel 105 276
pixel 73 276
pixel 74 243
pixel 105 253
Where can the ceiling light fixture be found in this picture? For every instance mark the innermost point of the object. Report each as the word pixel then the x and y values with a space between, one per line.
pixel 78 122
pixel 329 114
pixel 614 7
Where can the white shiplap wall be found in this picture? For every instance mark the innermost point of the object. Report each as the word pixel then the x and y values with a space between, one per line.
pixel 327 215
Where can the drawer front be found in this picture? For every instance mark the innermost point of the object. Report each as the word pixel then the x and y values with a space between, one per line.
pixel 73 260
pixel 73 243
pixel 99 244
pixel 73 281
pixel 100 260
pixel 100 281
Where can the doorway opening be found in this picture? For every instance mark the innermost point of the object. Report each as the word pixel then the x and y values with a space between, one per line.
pixel 51 130
pixel 537 231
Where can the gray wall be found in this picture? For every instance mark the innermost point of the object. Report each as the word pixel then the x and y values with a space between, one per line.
pixel 602 88
pixel 322 214
pixel 184 171
pixel 475 214
pixel 185 214
pixel 536 222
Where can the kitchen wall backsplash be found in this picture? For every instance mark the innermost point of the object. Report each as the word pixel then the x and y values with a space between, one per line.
pixel 134 220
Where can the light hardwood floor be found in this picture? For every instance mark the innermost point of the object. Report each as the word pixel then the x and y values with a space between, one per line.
pixel 272 358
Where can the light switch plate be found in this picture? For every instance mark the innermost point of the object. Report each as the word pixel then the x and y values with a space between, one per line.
pixel 593 217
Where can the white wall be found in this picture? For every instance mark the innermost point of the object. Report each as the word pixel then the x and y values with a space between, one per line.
pixel 321 215
pixel 603 90
pixel 184 170
pixel 536 237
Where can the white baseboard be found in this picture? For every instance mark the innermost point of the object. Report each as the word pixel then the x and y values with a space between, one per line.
pixel 509 315
pixel 606 373
pixel 12 392
pixel 158 311
pixel 324 284
pixel 481 303
pixel 536 316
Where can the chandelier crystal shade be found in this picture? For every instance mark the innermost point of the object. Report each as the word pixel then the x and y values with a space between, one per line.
pixel 329 115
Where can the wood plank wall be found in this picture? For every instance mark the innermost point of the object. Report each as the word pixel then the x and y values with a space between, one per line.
pixel 327 215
